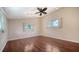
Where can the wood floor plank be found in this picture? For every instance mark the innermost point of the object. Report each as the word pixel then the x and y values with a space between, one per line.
pixel 41 44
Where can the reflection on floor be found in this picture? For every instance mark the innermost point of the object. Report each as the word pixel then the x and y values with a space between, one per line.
pixel 41 44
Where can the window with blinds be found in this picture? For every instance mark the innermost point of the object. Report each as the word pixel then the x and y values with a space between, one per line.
pixel 1 23
pixel 55 23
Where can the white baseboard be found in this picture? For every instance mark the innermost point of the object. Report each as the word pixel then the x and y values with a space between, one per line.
pixel 62 39
pixel 3 46
pixel 16 38
pixel 46 36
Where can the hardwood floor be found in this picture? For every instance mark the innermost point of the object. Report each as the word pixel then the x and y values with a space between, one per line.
pixel 41 44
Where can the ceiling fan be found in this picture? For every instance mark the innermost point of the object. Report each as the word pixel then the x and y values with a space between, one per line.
pixel 41 11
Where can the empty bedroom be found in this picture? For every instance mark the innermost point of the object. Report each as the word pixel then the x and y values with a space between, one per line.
pixel 39 29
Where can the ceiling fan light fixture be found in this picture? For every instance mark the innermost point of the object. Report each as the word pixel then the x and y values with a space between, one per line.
pixel 41 11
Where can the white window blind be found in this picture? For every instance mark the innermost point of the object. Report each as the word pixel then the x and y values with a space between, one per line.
pixel 55 23
pixel 1 23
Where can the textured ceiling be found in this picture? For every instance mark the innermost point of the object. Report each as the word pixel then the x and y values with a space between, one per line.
pixel 25 12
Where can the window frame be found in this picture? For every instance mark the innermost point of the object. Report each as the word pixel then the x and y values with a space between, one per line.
pixel 27 25
pixel 2 22
pixel 50 23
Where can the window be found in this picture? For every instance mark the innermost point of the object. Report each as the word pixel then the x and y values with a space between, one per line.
pixel 1 24
pixel 27 26
pixel 55 23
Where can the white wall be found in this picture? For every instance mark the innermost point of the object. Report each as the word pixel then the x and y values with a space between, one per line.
pixel 16 28
pixel 70 28
pixel 3 36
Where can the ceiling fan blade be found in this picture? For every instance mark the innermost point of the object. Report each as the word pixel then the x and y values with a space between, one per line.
pixel 44 12
pixel 40 9
pixel 40 14
pixel 37 12
pixel 44 9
